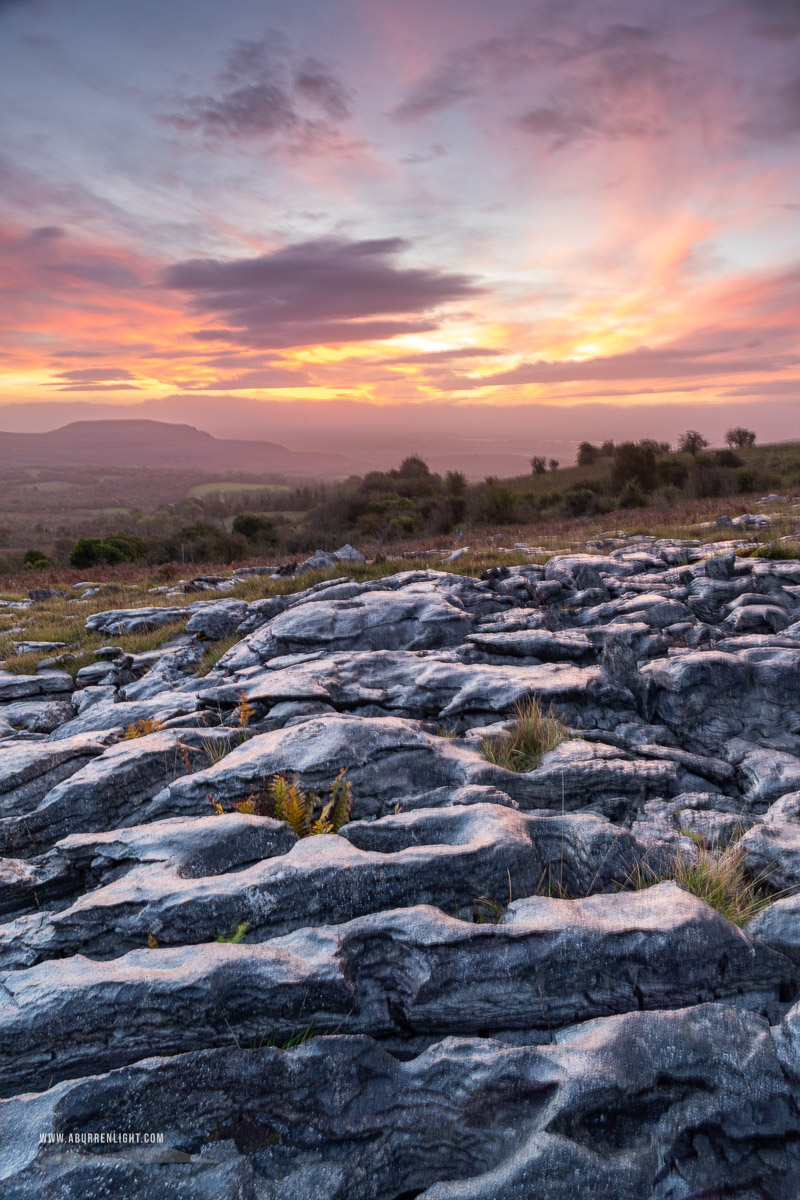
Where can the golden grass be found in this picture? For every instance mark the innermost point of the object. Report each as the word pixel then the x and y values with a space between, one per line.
pixel 533 733
pixel 719 877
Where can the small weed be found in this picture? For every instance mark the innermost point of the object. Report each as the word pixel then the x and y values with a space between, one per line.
pixel 152 941
pixel 290 1043
pixel 238 934
pixel 718 877
pixel 486 911
pixel 246 711
pixel 533 733
pixel 142 728
pixel 693 835
pixel 447 732
pixel 215 751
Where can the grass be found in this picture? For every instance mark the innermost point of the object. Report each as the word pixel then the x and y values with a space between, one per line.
pixel 532 734
pixel 215 652
pixel 773 550
pixel 719 877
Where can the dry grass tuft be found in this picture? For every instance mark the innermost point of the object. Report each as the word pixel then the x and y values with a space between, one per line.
pixel 719 877
pixel 534 733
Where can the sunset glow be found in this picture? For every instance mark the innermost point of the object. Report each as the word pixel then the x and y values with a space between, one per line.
pixel 458 202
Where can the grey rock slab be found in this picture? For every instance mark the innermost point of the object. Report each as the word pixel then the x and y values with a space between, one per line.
pixel 37 716
pixel 218 620
pixel 416 617
pixel 160 708
pixel 778 927
pixel 410 971
pixel 537 644
pixel 18 687
pixel 425 686
pixel 134 620
pixel 107 787
pixel 185 848
pixel 767 775
pixel 28 770
pixel 390 761
pixel 758 618
pixel 449 859
pixel 709 697
pixel 610 1113
pixel 772 853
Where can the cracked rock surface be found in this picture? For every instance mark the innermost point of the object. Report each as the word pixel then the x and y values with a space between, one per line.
pixel 488 984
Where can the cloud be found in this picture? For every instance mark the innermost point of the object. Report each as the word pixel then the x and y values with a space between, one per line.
pixel 583 81
pixel 326 290
pixel 437 356
pixel 263 93
pixel 95 374
pixel 256 379
pixel 642 363
pixel 95 379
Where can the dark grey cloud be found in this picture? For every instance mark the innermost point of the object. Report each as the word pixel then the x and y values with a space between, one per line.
pixel 95 379
pixel 107 274
pixel 614 80
pixel 323 290
pixel 778 19
pixel 265 93
pixel 778 116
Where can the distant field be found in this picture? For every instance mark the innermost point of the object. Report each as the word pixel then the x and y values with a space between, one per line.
pixel 50 485
pixel 210 489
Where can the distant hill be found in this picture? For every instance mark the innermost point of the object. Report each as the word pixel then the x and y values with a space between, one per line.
pixel 154 444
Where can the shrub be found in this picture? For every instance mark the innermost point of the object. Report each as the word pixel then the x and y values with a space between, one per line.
pixel 538 465
pixel 35 560
pixel 533 733
pixel 631 496
pixel 587 454
pixel 497 504
pixel 250 526
pixel 727 458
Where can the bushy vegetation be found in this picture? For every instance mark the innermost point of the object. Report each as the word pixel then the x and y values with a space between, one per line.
pixel 175 521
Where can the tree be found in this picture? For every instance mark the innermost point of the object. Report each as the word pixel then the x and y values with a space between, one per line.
pixel 553 464
pixel 607 449
pixel 740 437
pixel 538 465
pixel 414 466
pixel 456 483
pixel 692 442
pixel 587 454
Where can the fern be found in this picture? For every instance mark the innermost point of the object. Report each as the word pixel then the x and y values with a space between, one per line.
pixel 238 934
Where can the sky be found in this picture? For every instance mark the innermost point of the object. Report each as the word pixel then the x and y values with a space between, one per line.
pixel 402 202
